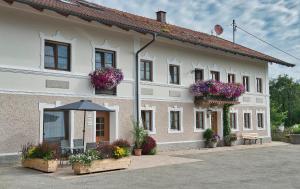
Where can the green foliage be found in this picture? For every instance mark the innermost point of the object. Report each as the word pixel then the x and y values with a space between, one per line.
pixel 226 123
pixel 208 134
pixel 153 151
pixel 85 158
pixel 285 99
pixel 296 130
pixel 120 152
pixel 42 151
pixel 139 134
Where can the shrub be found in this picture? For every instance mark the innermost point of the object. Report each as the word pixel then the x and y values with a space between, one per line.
pixel 296 130
pixel 85 158
pixel 44 151
pixel 121 143
pixel 106 150
pixel 120 152
pixel 153 151
pixel 148 146
pixel 208 134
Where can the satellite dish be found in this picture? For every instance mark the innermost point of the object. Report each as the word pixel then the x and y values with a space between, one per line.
pixel 218 29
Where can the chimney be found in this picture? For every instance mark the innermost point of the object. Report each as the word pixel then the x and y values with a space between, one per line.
pixel 161 16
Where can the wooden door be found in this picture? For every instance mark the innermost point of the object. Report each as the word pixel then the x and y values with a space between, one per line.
pixel 214 122
pixel 102 126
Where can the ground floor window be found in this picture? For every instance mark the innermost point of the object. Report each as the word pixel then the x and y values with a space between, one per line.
pixel 199 120
pixel 233 121
pixel 247 120
pixel 147 119
pixel 56 126
pixel 260 120
pixel 175 121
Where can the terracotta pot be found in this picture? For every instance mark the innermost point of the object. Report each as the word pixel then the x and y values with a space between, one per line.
pixel 137 152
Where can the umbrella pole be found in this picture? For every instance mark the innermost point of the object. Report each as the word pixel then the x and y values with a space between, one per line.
pixel 84 131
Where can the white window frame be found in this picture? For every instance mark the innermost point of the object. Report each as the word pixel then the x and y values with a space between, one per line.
pixel 236 120
pixel 249 82
pixel 153 110
pixel 59 38
pixel 176 63
pixel 262 85
pixel 264 120
pixel 204 119
pixel 251 120
pixel 149 57
pixel 178 109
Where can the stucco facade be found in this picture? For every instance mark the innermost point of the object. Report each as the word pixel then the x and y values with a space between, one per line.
pixel 25 92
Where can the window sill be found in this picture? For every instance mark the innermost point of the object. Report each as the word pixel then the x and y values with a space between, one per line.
pixel 244 129
pixel 198 130
pixel 174 131
pixel 261 129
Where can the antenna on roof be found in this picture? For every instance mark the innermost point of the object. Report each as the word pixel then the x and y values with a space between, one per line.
pixel 233 31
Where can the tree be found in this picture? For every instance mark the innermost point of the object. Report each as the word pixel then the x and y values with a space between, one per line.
pixel 285 97
pixel 277 116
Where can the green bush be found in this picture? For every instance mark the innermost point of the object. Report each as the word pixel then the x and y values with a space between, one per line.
pixel 296 130
pixel 44 151
pixel 208 134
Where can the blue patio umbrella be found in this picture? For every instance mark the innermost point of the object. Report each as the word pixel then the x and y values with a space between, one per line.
pixel 83 105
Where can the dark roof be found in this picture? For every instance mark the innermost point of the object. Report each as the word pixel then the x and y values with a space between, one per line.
pixel 112 17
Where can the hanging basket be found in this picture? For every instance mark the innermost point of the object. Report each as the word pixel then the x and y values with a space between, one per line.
pixel 106 78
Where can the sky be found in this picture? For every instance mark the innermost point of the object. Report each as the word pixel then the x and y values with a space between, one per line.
pixel 276 21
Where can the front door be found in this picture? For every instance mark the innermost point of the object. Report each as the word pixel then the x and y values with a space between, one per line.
pixel 102 126
pixel 214 122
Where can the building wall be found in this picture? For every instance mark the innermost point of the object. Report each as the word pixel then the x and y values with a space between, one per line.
pixel 23 77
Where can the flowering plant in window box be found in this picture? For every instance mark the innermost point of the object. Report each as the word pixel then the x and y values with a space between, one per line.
pixel 217 90
pixel 106 78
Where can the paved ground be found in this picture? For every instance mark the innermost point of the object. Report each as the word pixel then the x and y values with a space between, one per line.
pixel 259 168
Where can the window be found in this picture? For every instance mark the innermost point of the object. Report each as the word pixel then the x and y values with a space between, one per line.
pixel 146 70
pixel 199 120
pixel 56 126
pixel 147 120
pixel 231 78
pixel 174 74
pixel 259 85
pixel 175 121
pixel 233 121
pixel 105 59
pixel 198 75
pixel 246 83
pixel 57 56
pixel 247 120
pixel 215 75
pixel 100 127
pixel 260 120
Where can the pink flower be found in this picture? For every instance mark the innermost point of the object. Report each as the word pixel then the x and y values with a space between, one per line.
pixel 106 78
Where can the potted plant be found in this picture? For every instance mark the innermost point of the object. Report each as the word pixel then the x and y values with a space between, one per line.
pixel 42 157
pixel 211 139
pixel 105 157
pixel 230 139
pixel 295 135
pixel 149 146
pixel 106 78
pixel 139 135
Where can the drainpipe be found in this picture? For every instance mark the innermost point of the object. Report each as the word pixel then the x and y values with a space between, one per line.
pixel 137 71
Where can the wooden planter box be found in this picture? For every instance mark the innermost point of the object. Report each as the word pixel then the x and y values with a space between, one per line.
pixel 102 165
pixel 48 166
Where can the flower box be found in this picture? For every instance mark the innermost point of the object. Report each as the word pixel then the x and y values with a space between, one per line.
pixel 48 166
pixel 102 165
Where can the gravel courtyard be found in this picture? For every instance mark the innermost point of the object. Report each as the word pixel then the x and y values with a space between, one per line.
pixel 268 167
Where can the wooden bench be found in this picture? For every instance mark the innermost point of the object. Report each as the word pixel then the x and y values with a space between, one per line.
pixel 251 137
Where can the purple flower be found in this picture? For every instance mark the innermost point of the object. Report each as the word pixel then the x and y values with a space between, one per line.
pixel 106 78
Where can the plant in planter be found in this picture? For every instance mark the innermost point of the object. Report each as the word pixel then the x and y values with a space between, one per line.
pixel 104 158
pixel 42 157
pixel 106 78
pixel 211 139
pixel 139 135
pixel 230 139
pixel 149 146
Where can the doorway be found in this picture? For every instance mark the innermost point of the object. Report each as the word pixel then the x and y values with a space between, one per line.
pixel 214 121
pixel 102 127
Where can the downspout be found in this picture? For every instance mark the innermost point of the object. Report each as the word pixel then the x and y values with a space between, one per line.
pixel 137 71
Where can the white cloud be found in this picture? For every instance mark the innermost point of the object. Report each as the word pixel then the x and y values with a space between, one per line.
pixel 276 21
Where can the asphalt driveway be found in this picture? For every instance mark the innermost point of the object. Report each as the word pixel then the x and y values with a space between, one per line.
pixel 270 167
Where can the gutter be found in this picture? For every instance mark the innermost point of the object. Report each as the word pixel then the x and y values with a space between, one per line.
pixel 137 79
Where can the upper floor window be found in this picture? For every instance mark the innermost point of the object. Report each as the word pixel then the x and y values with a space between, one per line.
pixel 146 70
pixel 247 120
pixel 199 75
pixel 259 85
pixel 57 56
pixel 199 120
pixel 105 59
pixel 231 78
pixel 233 121
pixel 215 75
pixel 147 119
pixel 246 83
pixel 174 71
pixel 260 120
